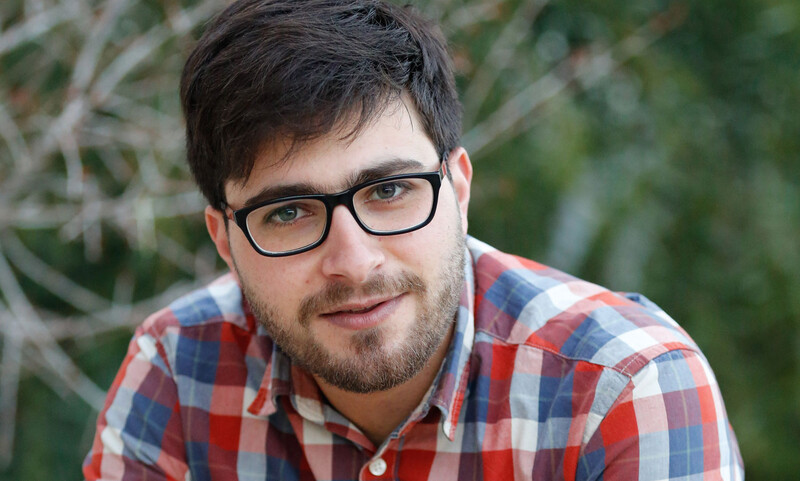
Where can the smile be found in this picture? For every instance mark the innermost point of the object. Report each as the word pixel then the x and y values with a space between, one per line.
pixel 363 315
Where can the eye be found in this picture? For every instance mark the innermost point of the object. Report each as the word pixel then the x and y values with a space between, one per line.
pixel 387 190
pixel 286 213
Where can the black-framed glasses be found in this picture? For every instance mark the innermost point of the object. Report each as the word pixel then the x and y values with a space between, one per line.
pixel 387 206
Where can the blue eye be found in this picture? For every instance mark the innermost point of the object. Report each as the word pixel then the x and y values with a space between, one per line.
pixel 387 191
pixel 285 214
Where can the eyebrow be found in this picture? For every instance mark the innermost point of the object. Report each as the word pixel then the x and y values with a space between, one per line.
pixel 389 167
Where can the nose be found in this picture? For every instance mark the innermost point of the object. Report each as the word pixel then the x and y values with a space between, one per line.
pixel 349 252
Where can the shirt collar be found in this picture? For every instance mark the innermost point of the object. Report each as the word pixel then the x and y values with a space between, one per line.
pixel 451 384
pixel 275 379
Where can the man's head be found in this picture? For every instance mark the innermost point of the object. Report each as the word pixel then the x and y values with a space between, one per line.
pixel 289 72
pixel 311 116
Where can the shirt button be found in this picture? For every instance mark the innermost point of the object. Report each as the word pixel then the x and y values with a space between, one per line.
pixel 377 467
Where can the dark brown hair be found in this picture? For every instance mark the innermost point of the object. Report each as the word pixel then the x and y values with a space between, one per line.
pixel 273 70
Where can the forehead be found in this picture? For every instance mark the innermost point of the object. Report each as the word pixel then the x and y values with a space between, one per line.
pixel 328 162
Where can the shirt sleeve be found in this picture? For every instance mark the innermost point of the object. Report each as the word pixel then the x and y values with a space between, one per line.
pixel 139 432
pixel 668 423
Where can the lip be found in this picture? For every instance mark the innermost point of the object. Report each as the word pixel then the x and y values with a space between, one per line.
pixel 379 311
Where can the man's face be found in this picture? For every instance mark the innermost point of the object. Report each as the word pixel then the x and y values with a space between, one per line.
pixel 362 312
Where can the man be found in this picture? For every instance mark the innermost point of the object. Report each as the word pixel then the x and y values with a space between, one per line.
pixel 361 334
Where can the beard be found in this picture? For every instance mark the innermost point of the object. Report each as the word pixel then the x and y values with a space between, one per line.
pixel 372 365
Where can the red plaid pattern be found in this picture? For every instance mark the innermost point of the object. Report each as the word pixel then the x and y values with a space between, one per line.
pixel 547 377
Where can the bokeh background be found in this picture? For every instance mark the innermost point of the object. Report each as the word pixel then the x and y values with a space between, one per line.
pixel 649 146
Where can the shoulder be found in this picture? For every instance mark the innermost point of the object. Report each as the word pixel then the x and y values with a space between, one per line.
pixel 217 302
pixel 521 302
pixel 204 338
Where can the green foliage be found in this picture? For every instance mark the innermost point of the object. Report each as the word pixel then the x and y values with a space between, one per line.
pixel 649 146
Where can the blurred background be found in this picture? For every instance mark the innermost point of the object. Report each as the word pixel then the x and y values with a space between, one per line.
pixel 649 146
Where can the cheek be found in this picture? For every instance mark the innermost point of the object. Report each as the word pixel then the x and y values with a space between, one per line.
pixel 422 250
pixel 279 281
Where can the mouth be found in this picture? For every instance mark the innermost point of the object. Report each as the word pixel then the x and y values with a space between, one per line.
pixel 363 314
pixel 358 307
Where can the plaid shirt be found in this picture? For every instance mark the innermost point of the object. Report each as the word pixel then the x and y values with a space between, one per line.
pixel 547 377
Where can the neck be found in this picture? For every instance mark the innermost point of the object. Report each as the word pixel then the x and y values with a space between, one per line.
pixel 377 414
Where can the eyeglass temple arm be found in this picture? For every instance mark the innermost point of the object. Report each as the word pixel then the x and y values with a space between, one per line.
pixel 444 170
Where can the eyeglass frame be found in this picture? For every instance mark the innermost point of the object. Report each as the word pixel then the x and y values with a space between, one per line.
pixel 345 197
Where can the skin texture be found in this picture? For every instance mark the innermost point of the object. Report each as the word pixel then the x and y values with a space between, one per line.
pixel 375 365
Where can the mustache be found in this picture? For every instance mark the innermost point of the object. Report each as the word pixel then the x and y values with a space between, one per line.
pixel 337 293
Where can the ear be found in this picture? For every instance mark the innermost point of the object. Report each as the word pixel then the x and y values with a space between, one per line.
pixel 461 170
pixel 215 223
